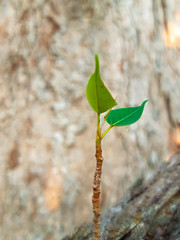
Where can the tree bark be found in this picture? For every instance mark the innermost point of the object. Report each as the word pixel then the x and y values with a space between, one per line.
pixel 47 55
pixel 149 211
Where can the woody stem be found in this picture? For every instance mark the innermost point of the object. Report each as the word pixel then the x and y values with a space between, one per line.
pixel 97 183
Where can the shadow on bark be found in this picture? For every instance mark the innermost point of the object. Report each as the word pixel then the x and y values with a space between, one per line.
pixel 149 211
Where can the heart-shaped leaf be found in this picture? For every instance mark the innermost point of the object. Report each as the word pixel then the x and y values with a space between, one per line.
pixel 125 116
pixel 99 98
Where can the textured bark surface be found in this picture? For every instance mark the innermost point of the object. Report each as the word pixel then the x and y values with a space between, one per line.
pixel 47 127
pixel 149 211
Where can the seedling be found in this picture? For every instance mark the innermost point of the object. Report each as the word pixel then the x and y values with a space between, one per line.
pixel 101 100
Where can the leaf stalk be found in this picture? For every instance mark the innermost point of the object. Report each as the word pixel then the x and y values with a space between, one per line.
pixel 104 134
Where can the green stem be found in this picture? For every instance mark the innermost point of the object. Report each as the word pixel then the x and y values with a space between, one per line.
pixel 98 122
pixel 104 134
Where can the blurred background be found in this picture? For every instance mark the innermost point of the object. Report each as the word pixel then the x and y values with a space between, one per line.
pixel 47 128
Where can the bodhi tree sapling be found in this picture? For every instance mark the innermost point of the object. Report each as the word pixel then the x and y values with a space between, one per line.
pixel 101 100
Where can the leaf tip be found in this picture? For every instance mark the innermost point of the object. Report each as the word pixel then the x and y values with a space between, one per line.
pixel 96 55
pixel 145 101
pixel 96 62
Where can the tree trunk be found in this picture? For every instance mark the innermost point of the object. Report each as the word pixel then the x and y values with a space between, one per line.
pixel 150 210
pixel 47 127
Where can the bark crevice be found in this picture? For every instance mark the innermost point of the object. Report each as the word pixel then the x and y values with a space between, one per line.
pixel 150 210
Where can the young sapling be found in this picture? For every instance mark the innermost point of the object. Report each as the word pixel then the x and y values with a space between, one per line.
pixel 101 100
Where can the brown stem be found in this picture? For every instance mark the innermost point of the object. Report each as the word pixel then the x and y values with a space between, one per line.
pixel 96 188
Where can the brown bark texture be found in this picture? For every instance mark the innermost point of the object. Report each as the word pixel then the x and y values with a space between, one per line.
pixel 149 211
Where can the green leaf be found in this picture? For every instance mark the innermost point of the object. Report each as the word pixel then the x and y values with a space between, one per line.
pixel 125 116
pixel 99 98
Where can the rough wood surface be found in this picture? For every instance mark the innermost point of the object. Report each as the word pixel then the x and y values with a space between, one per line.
pixel 150 210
